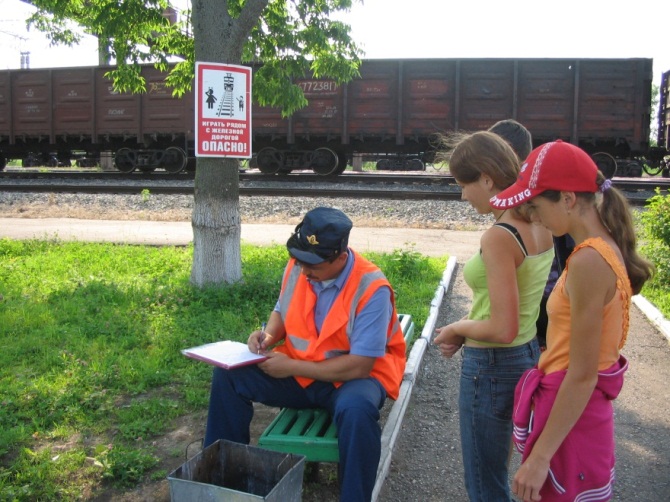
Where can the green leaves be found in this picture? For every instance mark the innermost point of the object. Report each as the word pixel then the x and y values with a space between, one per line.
pixel 656 218
pixel 654 233
pixel 292 39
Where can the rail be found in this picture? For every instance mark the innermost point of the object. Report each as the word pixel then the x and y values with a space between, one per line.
pixel 359 186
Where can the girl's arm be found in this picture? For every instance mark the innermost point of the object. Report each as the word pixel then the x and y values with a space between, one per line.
pixel 502 256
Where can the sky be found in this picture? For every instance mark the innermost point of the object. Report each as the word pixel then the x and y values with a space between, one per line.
pixel 437 28
pixel 513 29
pixel 15 40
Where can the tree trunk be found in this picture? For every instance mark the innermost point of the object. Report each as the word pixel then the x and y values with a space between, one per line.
pixel 216 223
pixel 216 206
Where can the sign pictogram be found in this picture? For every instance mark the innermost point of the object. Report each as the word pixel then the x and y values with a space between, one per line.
pixel 223 110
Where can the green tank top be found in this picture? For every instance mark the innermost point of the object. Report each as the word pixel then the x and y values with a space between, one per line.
pixel 531 277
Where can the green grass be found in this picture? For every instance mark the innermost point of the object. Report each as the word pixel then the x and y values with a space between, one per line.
pixel 90 362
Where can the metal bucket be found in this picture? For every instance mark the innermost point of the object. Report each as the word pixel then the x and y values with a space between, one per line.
pixel 238 473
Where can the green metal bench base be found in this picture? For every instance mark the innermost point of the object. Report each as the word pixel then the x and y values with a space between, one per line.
pixel 311 432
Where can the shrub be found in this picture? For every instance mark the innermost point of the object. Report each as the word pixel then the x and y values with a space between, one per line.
pixel 654 237
pixel 656 219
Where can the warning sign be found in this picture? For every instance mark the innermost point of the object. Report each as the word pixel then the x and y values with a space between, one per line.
pixel 223 110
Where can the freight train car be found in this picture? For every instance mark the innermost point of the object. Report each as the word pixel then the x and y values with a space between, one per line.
pixel 389 114
pixel 393 110
pixel 51 116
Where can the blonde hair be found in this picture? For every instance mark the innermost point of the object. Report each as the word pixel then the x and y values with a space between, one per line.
pixel 471 155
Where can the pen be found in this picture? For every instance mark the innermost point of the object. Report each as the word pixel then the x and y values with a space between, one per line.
pixel 261 337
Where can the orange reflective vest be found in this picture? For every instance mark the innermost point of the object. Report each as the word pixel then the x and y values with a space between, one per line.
pixel 297 301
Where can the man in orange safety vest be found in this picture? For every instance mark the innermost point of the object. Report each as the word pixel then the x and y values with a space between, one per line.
pixel 333 341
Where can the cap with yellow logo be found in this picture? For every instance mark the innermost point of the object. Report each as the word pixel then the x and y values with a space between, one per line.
pixel 322 235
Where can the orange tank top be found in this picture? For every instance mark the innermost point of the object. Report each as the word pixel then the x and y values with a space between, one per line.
pixel 615 316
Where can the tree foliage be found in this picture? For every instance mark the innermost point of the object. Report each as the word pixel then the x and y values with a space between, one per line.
pixel 290 39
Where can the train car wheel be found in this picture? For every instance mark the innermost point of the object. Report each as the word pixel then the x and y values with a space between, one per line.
pixel 174 159
pixel 415 165
pixel 383 165
pixel 3 162
pixel 270 160
pixel 30 161
pixel 606 164
pixel 88 162
pixel 325 162
pixel 125 160
pixel 342 163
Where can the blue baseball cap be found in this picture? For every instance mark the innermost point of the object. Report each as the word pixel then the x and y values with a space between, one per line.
pixel 321 235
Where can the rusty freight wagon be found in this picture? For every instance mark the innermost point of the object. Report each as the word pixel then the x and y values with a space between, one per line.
pixel 52 116
pixel 389 114
pixel 392 111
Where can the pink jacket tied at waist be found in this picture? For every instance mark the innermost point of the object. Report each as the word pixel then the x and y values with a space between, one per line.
pixel 583 467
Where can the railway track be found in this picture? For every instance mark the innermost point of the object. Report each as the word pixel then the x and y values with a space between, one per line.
pixel 403 186
pixel 355 185
pixel 245 176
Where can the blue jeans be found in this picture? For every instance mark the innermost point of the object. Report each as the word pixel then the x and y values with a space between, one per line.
pixel 486 398
pixel 354 407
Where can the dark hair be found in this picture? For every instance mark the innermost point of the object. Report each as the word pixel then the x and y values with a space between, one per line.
pixel 615 215
pixel 518 137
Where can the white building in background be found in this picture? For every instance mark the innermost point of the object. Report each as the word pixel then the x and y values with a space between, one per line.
pixel 23 48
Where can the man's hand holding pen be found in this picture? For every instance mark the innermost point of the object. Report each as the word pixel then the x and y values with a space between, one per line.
pixel 262 338
pixel 259 340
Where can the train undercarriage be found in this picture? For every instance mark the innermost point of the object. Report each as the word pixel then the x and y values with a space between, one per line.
pixel 173 159
pixel 322 161
pixel 654 164
pixel 328 162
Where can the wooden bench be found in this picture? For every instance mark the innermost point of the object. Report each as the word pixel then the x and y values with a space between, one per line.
pixel 311 432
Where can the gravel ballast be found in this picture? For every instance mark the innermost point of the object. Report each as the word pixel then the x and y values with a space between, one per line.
pixel 452 215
